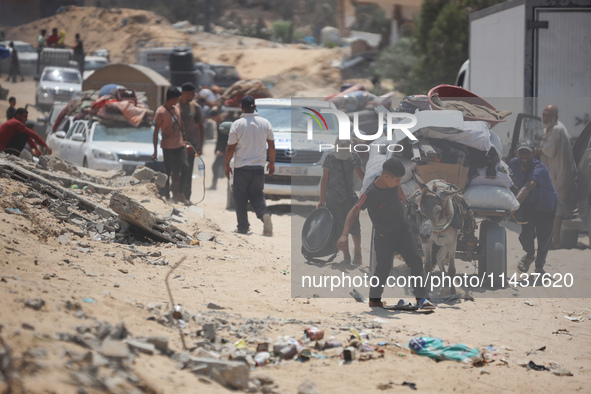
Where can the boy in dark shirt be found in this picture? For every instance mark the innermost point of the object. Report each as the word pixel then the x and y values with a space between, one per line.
pixel 337 194
pixel 11 108
pixel 392 233
pixel 538 201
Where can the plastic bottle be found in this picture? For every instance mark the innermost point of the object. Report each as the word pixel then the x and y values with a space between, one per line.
pixel 198 167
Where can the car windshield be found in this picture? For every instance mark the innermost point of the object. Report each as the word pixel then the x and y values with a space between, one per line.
pixel 141 134
pixel 296 119
pixel 56 75
pixel 94 64
pixel 25 48
pixel 225 72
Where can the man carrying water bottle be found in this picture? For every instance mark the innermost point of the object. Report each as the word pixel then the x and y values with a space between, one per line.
pixel 194 132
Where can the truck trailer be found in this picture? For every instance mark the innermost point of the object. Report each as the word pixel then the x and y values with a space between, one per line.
pixel 526 54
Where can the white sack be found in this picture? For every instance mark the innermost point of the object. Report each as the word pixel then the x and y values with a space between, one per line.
pixel 490 197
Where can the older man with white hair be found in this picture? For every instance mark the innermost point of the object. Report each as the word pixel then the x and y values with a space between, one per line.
pixel 556 153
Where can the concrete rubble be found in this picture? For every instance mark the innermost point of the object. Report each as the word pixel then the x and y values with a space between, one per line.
pixel 145 174
pixel 71 196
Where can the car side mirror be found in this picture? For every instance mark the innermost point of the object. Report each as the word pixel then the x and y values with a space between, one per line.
pixel 60 134
pixel 224 127
pixel 42 119
pixel 78 137
pixel 36 78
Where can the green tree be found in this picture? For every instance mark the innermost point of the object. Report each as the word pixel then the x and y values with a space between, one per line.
pixel 439 45
pixel 370 18
pixel 397 63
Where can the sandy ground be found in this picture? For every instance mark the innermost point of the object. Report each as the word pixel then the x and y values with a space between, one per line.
pixel 247 275
pixel 251 276
pixel 288 70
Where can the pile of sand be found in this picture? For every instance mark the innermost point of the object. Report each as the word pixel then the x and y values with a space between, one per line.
pixel 290 69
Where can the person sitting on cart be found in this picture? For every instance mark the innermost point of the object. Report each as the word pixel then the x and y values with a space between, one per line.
pixel 539 201
pixel 337 192
pixel 392 232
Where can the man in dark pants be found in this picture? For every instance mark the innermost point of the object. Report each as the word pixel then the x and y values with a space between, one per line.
pixel 538 201
pixel 14 135
pixel 79 53
pixel 247 141
pixel 392 233
pixel 15 67
pixel 168 119
pixel 217 168
pixel 193 128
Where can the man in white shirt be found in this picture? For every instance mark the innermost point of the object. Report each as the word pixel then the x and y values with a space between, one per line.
pixel 556 152
pixel 247 143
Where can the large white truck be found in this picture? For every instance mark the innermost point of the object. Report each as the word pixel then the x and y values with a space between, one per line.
pixel 526 54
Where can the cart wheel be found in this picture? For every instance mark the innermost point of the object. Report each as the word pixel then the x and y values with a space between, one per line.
pixel 230 204
pixel 494 254
pixel 484 225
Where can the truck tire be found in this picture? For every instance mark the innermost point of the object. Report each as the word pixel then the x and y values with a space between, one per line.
pixel 230 198
pixel 493 255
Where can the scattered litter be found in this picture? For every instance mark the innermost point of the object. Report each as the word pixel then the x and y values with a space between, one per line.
pixel 526 302
pixel 435 349
pixel 357 295
pixel 35 303
pixel 572 318
pixel 88 300
pixel 536 367
pixel 562 331
pixel 412 386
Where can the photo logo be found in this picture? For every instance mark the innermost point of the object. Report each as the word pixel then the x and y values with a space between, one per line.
pixel 392 122
pixel 344 124
pixel 316 119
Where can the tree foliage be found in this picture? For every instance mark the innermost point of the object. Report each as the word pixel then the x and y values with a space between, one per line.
pixel 370 18
pixel 439 46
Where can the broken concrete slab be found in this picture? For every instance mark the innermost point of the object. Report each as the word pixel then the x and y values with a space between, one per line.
pixel 160 180
pixel 160 342
pixel 142 347
pixel 135 214
pixel 117 349
pixel 228 373
pixel 17 172
pixel 143 173
pixel 209 331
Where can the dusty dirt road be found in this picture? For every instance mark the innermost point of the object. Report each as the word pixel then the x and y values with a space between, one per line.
pixel 251 276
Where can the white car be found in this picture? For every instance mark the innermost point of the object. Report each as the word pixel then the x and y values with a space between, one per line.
pixel 298 160
pixel 58 84
pixel 98 146
pixel 92 63
pixel 27 57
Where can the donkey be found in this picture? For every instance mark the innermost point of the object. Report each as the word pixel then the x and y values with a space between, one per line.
pixel 435 213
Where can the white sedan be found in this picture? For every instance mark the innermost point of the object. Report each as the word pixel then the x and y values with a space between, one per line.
pixel 58 84
pixel 101 147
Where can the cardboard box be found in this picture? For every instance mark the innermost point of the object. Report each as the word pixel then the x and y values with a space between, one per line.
pixel 456 174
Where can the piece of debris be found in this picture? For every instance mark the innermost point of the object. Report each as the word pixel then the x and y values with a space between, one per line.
pixel 35 303
pixel 135 214
pixel 357 295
